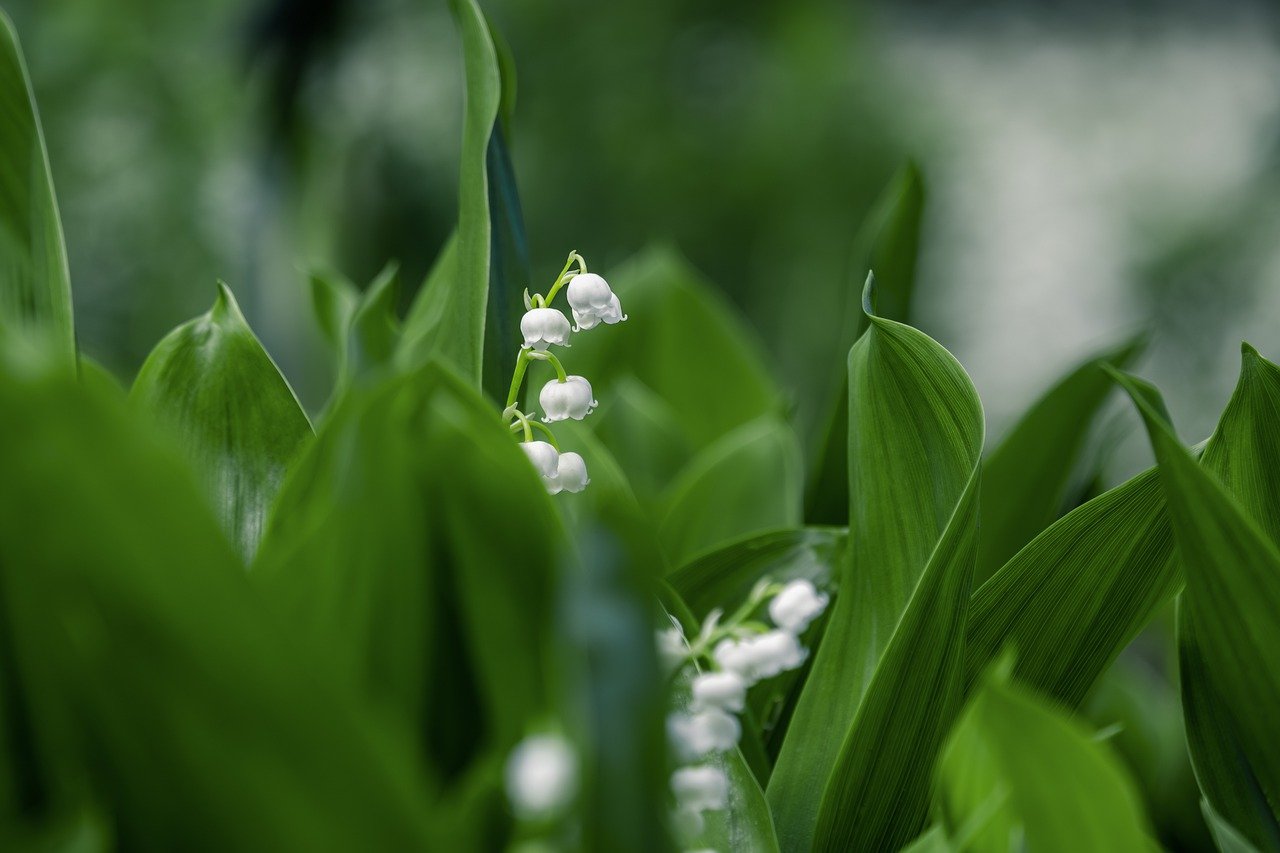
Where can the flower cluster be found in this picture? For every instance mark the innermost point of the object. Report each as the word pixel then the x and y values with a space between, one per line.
pixel 566 397
pixel 732 654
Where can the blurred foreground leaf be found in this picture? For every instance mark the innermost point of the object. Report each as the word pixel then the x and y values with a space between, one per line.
pixel 135 651
pixel 35 286
pixel 235 417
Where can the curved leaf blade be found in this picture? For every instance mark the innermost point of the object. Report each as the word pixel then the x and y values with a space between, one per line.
pixel 234 415
pixel 855 768
pixel 35 284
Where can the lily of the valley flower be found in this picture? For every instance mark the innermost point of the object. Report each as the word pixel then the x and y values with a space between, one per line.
pixel 761 656
pixel 697 735
pixel 700 788
pixel 560 472
pixel 797 605
pixel 725 691
pixel 570 398
pixel 543 327
pixel 593 302
pixel 541 776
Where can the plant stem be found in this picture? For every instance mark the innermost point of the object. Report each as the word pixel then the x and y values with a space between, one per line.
pixel 522 364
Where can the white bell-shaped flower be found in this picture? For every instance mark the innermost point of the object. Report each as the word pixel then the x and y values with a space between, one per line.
pixel 762 656
pixel 673 648
pixel 544 457
pixel 571 473
pixel 541 775
pixel 543 327
pixel 593 301
pixel 700 788
pixel 725 691
pixel 696 735
pixel 797 605
pixel 568 399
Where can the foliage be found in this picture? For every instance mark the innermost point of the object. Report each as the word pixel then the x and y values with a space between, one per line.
pixel 222 627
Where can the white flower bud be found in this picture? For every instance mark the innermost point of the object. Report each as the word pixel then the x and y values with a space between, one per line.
pixel 725 691
pixel 568 399
pixel 797 605
pixel 696 735
pixel 571 473
pixel 542 327
pixel 762 656
pixel 700 788
pixel 687 823
pixel 544 457
pixel 541 775
pixel 593 301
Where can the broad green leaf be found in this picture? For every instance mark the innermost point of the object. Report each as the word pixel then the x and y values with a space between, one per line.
pixel 746 482
pixel 374 331
pixel 677 325
pixel 854 771
pixel 35 285
pixel 452 326
pixel 1018 773
pixel 1080 591
pixel 1025 479
pixel 414 541
pixel 139 651
pixel 887 245
pixel 1227 838
pixel 1229 620
pixel 236 418
pixel 645 435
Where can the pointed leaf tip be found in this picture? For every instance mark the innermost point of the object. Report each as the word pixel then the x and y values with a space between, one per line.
pixel 225 306
pixel 869 294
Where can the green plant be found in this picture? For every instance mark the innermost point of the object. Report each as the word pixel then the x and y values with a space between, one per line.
pixel 224 625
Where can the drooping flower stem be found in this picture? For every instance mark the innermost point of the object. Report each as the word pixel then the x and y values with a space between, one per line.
pixel 522 364
pixel 555 362
pixel 565 275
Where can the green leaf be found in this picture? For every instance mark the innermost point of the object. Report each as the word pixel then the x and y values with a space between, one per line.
pixel 141 654
pixel 677 322
pixel 235 417
pixel 1230 615
pixel 334 300
pixel 1225 836
pixel 854 771
pixel 414 541
pixel 509 272
pixel 645 436
pixel 746 482
pixel 1018 773
pixel 1025 479
pixel 887 245
pixel 373 331
pixel 35 285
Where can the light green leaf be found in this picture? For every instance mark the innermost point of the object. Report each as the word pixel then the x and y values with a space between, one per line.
pixel 334 300
pixel 854 771
pixel 676 323
pixel 415 542
pixel 1017 773
pixel 1230 619
pixel 374 330
pixel 886 245
pixel 645 435
pixel 236 418
pixel 1025 479
pixel 746 482
pixel 35 285
pixel 140 652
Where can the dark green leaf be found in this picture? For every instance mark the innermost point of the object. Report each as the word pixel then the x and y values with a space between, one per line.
pixel 854 771
pixel 887 245
pixel 1025 479
pixel 141 652
pixel 509 257
pixel 236 418
pixel 35 286
pixel 746 482
pixel 1230 619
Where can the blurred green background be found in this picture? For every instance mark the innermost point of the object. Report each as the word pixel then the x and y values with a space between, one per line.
pixel 1091 167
